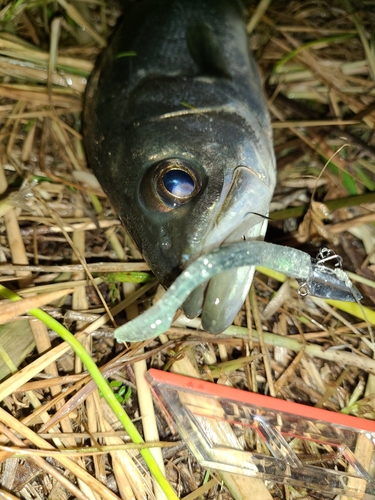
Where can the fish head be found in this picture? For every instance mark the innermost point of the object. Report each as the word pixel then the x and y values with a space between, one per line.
pixel 184 183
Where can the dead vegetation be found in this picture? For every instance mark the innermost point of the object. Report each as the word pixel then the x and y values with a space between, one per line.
pixel 60 241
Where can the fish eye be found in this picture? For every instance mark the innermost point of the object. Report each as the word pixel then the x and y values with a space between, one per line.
pixel 176 181
pixel 179 183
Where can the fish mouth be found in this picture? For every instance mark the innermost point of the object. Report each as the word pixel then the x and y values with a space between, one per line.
pixel 243 216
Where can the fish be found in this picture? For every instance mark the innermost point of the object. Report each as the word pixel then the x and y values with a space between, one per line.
pixel 177 131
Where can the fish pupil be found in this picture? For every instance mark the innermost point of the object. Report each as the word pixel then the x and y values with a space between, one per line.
pixel 179 183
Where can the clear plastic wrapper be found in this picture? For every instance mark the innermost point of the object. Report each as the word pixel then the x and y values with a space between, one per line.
pixel 274 440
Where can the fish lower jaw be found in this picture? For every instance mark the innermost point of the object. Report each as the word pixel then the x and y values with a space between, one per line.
pixel 219 300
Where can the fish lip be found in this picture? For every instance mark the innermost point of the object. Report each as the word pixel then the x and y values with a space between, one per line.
pixel 243 216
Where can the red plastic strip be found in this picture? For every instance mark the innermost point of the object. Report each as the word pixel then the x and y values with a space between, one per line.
pixel 244 397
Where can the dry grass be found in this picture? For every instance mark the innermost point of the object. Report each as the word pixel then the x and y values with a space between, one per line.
pixel 58 234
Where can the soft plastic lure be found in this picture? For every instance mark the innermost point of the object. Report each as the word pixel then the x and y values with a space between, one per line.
pixel 314 277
